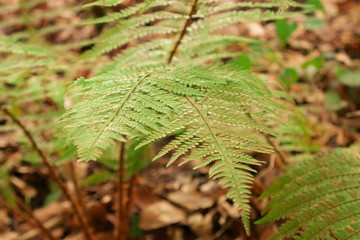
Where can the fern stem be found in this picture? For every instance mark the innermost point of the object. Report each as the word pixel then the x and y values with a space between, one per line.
pixel 54 173
pixel 183 32
pixel 29 217
pixel 130 195
pixel 121 218
pixel 277 150
pixel 79 196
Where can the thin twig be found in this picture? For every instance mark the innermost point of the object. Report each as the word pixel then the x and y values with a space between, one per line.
pixel 54 173
pixel 183 32
pixel 277 150
pixel 120 221
pixel 29 217
pixel 79 196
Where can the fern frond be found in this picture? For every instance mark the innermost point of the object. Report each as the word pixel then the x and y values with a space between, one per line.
pixel 148 92
pixel 127 12
pixel 104 3
pixel 226 6
pixel 212 103
pixel 165 19
pixel 320 195
pixel 151 52
pixel 298 135
pixel 209 25
pixel 111 40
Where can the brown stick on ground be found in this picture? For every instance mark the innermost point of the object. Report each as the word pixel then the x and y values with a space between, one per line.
pixel 121 231
pixel 29 217
pixel 54 173
pixel 79 196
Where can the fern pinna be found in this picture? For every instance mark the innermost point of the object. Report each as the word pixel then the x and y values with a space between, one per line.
pixel 167 79
pixel 320 195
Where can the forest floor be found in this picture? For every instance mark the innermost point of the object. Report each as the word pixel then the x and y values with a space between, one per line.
pixel 180 203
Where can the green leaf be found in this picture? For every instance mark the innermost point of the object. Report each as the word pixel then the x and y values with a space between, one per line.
pixel 350 78
pixel 104 3
pixel 317 62
pixel 317 4
pixel 242 61
pixel 284 30
pixel 312 23
pixel 333 102
pixel 289 76
pixel 54 195
pixel 135 231
pixel 98 178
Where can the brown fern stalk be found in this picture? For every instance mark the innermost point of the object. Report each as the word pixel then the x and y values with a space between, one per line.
pixel 54 173
pixel 183 31
pixel 121 227
pixel 130 195
pixel 79 196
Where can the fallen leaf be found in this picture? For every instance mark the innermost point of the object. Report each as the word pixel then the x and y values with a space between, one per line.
pixel 192 201
pixel 202 225
pixel 160 214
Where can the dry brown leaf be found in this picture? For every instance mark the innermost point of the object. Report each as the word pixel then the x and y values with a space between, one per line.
pixel 160 214
pixel 192 201
pixel 9 236
pixel 51 210
pixel 143 197
pixel 200 224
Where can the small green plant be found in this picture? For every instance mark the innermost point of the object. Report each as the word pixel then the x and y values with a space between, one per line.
pixel 284 30
pixel 180 83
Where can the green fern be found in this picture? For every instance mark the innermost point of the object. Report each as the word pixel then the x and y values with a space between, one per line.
pixel 30 69
pixel 298 134
pixel 321 197
pixel 165 19
pixel 212 103
pixel 148 93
